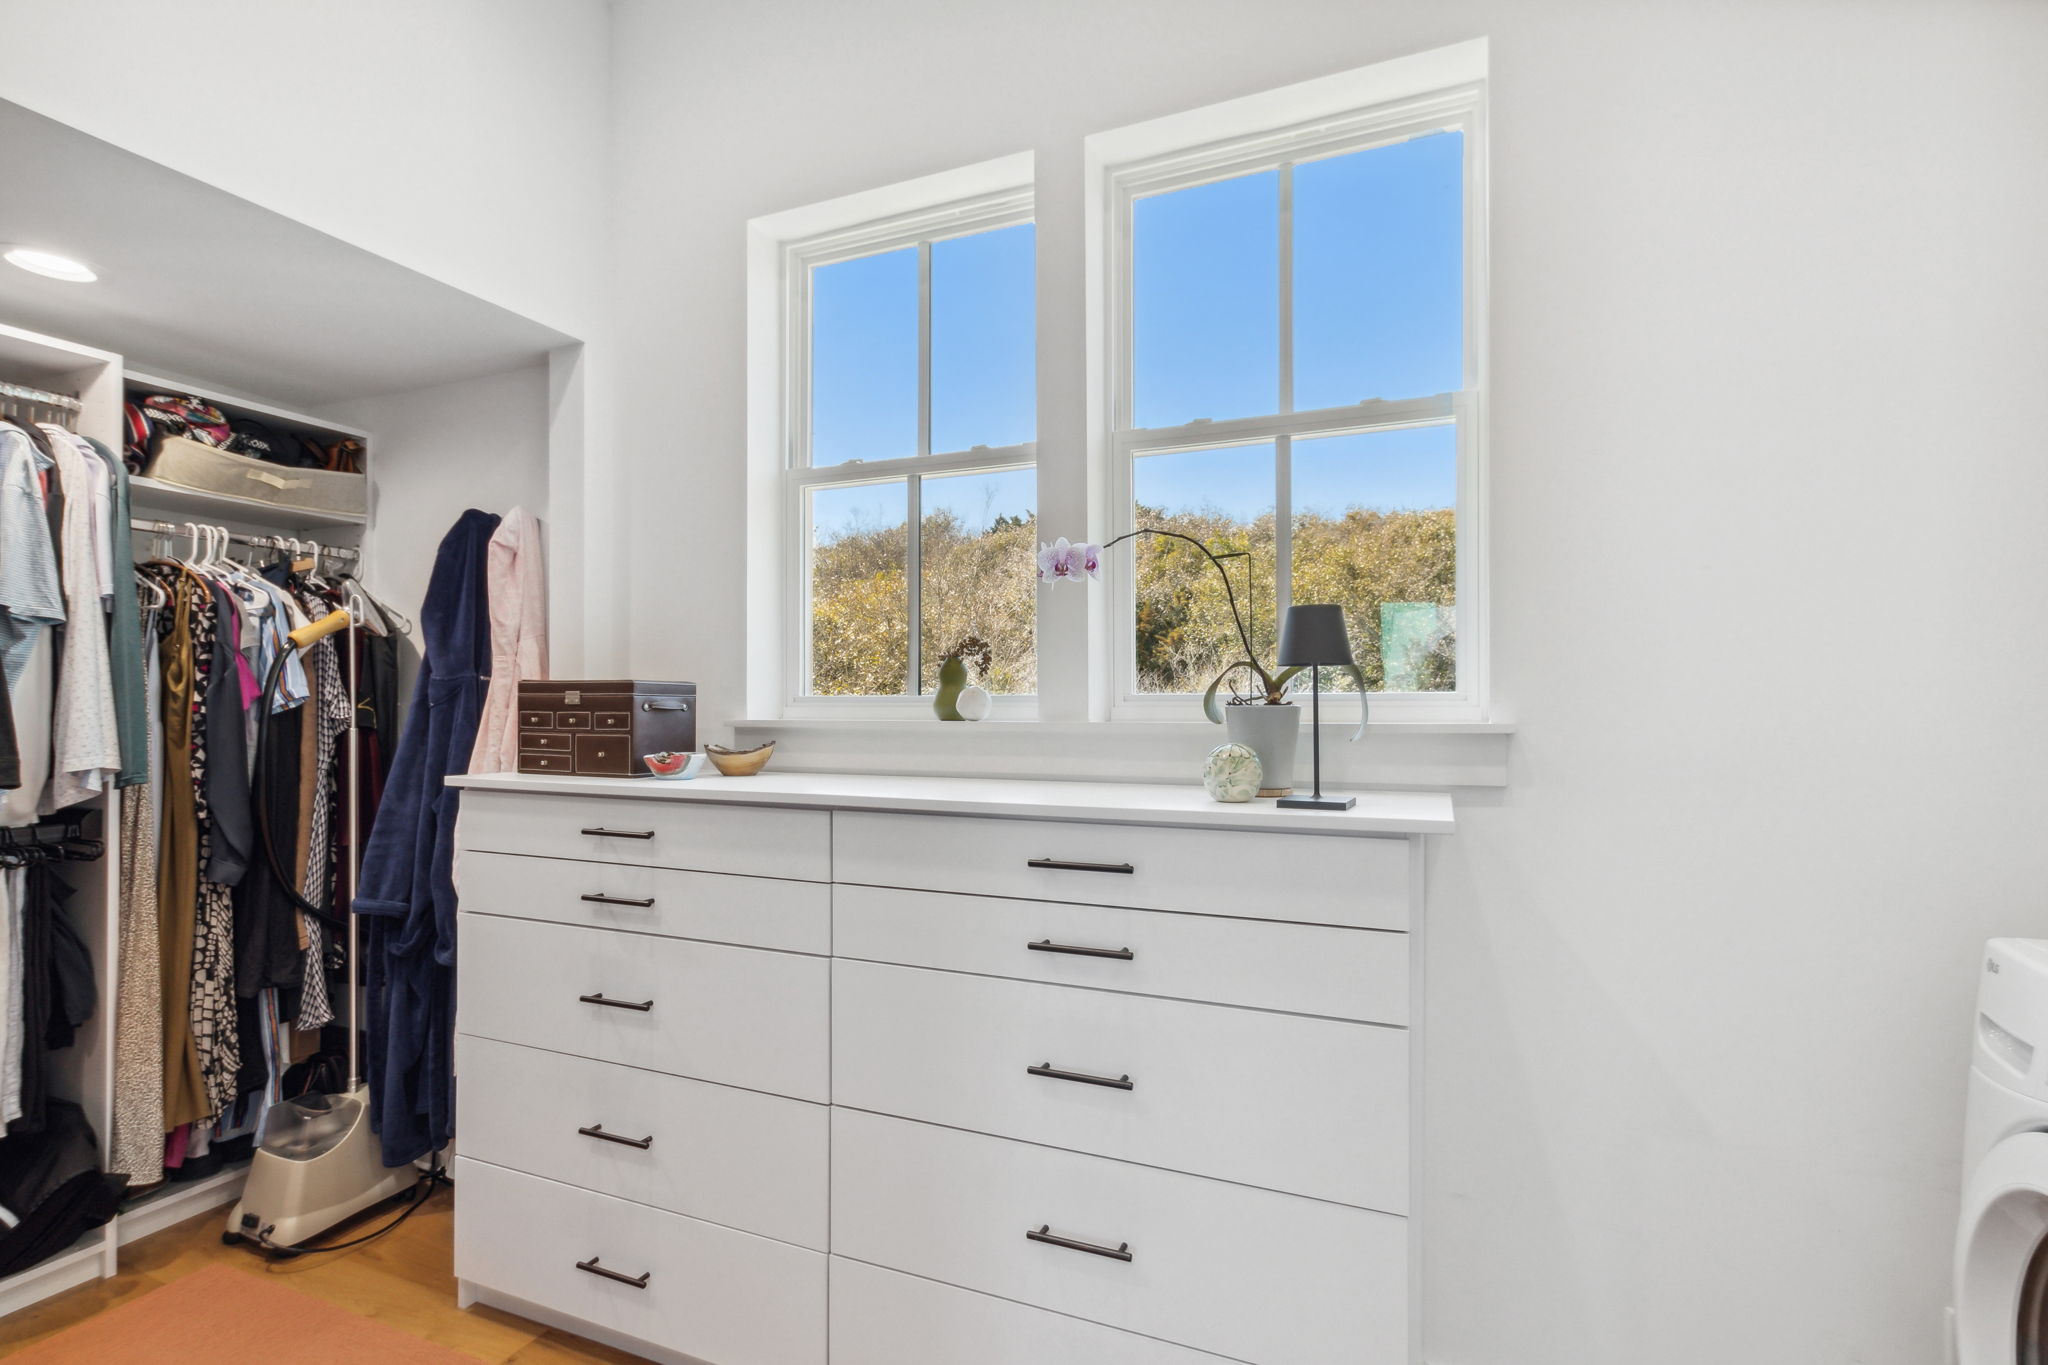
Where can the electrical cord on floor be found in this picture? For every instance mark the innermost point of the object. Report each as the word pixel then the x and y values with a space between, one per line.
pixel 434 1177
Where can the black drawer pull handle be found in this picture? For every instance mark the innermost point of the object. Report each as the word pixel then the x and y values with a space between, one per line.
pixel 1060 865
pixel 1045 1234
pixel 1046 945
pixel 621 833
pixel 637 1281
pixel 596 1130
pixel 600 998
pixel 1053 1073
pixel 599 898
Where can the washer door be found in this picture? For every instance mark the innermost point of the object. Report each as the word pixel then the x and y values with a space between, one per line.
pixel 2002 1257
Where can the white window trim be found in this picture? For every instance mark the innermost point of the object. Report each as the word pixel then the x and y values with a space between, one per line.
pixel 1389 102
pixel 782 250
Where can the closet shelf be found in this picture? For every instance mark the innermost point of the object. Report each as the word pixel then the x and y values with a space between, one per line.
pixel 169 502
pixel 175 1201
pixel 75 1265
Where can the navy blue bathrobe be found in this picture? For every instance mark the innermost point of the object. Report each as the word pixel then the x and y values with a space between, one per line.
pixel 407 895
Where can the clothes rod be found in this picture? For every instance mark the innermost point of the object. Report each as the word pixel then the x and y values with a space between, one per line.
pixel 179 528
pixel 41 397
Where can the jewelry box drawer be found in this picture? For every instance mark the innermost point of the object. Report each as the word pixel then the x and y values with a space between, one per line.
pixel 755 912
pixel 747 1160
pixel 1359 881
pixel 749 840
pixel 709 1292
pixel 1316 1107
pixel 548 742
pixel 881 1317
pixel 737 1016
pixel 1240 1272
pixel 1303 968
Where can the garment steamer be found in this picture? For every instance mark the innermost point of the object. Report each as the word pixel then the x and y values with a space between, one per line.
pixel 319 1162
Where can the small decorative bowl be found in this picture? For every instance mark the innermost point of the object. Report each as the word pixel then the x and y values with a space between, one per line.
pixel 673 766
pixel 740 762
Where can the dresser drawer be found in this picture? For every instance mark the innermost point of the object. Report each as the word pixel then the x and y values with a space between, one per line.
pixel 759 912
pixel 738 1016
pixel 750 1161
pixel 880 1317
pixel 1321 879
pixel 652 833
pixel 1303 968
pixel 709 1292
pixel 1246 1273
pixel 1311 1106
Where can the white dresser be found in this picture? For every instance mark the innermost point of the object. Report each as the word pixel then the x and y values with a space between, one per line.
pixel 935 1071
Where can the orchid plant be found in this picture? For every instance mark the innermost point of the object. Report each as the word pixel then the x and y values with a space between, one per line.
pixel 1064 562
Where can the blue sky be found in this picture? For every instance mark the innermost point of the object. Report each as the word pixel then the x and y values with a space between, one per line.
pixel 1377 304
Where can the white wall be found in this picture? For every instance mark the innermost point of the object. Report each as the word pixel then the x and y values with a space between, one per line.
pixel 463 138
pixel 1767 566
pixel 440 451
pixel 466 139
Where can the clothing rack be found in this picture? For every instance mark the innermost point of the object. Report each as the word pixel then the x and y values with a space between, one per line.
pixel 64 402
pixel 42 404
pixel 173 528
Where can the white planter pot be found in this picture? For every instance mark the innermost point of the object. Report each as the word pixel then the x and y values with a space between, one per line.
pixel 1272 732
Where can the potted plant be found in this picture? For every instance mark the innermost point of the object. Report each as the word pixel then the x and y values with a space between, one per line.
pixel 1258 713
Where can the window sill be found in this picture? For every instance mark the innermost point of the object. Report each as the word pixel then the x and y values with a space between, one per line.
pixel 1393 753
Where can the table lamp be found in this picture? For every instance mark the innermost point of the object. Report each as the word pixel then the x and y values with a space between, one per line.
pixel 1309 638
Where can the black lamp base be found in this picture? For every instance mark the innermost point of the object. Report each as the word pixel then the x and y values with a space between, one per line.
pixel 1317 802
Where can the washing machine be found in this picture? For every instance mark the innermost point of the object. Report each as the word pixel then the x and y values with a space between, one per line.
pixel 2001 1278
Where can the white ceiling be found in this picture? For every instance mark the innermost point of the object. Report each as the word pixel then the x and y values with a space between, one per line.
pixel 197 283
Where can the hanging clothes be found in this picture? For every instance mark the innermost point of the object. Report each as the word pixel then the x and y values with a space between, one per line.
pixel 407 896
pixel 137 1146
pixel 519 638
pixel 126 656
pixel 87 738
pixel 58 992
pixel 330 718
pixel 178 849
pixel 10 749
pixel 31 604
pixel 13 1015
pixel 216 1046
pixel 31 594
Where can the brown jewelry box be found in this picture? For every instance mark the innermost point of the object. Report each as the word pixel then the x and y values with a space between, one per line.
pixel 603 728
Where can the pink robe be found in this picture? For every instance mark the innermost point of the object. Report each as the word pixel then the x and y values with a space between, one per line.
pixel 519 638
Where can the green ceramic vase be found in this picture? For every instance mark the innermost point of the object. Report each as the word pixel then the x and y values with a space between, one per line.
pixel 952 677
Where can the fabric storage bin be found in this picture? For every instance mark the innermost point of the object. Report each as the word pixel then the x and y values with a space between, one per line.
pixel 193 464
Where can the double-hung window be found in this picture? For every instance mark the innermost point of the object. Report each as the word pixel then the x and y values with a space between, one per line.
pixel 911 391
pixel 1294 380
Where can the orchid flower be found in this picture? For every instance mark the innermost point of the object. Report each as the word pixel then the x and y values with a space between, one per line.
pixel 1061 560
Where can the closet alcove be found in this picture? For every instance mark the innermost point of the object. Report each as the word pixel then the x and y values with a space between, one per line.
pixel 202 293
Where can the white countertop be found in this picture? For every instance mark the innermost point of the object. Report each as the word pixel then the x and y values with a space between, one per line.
pixel 1130 803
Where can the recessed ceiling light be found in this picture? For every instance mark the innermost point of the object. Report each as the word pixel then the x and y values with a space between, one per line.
pixel 49 263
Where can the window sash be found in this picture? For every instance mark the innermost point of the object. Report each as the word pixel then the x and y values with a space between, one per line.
pixel 1457 109
pixel 920 229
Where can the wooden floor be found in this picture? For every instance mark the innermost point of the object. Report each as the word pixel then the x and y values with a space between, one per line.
pixel 405 1279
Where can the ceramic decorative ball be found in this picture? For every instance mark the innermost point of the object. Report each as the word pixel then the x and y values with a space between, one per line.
pixel 1232 772
pixel 974 703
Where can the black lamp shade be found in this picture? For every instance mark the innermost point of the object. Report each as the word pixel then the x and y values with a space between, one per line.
pixel 1314 635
